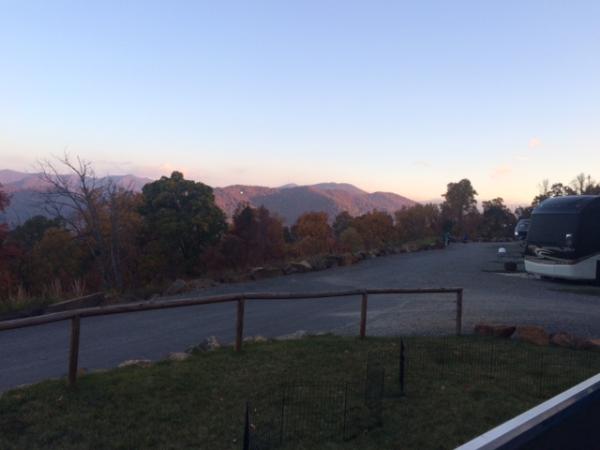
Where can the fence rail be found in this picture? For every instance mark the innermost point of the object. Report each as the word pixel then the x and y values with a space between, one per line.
pixel 76 315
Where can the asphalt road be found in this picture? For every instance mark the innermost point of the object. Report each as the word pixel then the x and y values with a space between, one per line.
pixel 33 354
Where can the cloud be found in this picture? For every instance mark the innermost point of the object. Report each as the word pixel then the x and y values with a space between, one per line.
pixel 501 171
pixel 534 143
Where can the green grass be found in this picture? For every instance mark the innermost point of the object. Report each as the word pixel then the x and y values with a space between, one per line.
pixel 199 403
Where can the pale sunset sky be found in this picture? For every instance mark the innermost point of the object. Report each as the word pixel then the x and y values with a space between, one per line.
pixel 388 95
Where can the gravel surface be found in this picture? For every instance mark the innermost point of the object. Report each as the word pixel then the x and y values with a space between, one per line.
pixel 33 354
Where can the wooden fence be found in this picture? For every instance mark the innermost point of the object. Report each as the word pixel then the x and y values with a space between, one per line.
pixel 76 315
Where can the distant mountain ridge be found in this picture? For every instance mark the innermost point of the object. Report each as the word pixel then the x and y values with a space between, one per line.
pixel 288 201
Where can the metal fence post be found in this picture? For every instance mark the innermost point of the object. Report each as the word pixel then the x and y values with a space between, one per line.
pixel 247 429
pixel 402 364
pixel 459 300
pixel 363 315
pixel 74 350
pixel 239 329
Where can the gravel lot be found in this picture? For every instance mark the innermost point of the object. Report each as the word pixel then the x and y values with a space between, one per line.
pixel 32 354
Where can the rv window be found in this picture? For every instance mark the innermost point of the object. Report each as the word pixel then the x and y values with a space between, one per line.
pixel 550 229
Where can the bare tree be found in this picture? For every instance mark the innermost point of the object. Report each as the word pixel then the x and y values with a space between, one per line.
pixel 79 199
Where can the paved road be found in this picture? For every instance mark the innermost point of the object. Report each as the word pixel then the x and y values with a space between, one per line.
pixel 33 354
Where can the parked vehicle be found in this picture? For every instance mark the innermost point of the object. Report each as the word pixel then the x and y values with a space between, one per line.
pixel 522 228
pixel 564 238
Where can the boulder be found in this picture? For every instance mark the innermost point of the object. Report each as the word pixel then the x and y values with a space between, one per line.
pixel 136 363
pixel 292 336
pixel 503 331
pixel 533 335
pixel 178 356
pixel 209 344
pixel 256 339
pixel 347 259
pixel 563 339
pixel 260 273
pixel 334 260
pixel 301 266
pixel 319 263
pixel 177 287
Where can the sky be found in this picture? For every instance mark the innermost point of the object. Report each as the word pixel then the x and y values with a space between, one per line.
pixel 390 96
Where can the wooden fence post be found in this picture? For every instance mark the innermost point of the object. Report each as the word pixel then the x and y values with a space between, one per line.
pixel 459 299
pixel 239 329
pixel 363 316
pixel 74 350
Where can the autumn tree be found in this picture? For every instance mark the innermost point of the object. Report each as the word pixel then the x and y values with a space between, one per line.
pixel 350 240
pixel 313 233
pixel 32 231
pixel 255 237
pixel 342 222
pixel 376 229
pixel 418 221
pixel 181 220
pixel 460 206
pixel 56 264
pixel 89 207
pixel 497 220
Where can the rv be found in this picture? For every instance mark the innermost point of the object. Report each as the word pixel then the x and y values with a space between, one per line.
pixel 564 238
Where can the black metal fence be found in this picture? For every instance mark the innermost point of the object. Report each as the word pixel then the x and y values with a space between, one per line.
pixel 469 364
pixel 315 412
pixel 411 368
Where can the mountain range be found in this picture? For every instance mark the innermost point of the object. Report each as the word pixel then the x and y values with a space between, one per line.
pixel 288 202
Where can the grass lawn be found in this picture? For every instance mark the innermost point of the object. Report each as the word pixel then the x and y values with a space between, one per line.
pixel 456 388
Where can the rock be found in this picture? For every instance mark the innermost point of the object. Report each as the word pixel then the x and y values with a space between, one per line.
pixel 347 259
pixel 563 339
pixel 533 335
pixel 301 266
pixel 209 344
pixel 319 263
pixel 255 339
pixel 503 331
pixel 333 260
pixel 178 356
pixel 292 336
pixel 260 273
pixel 177 287
pixel 136 363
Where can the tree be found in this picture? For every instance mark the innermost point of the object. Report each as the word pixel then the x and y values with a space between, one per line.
pixel 32 231
pixel 341 222
pixel 7 251
pixel 497 220
pixel 376 229
pixel 523 212
pixel 313 234
pixel 418 221
pixel 254 238
pixel 350 240
pixel 54 264
pixel 181 220
pixel 88 206
pixel 460 204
